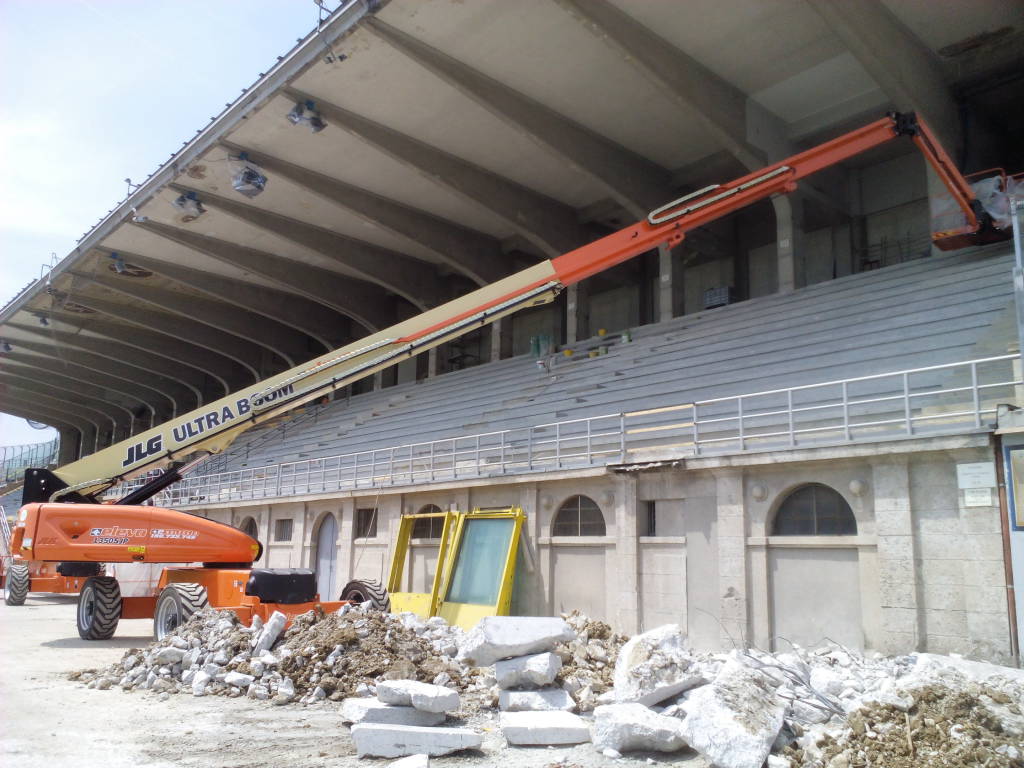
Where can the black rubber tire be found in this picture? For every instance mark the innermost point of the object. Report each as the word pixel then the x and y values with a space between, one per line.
pixel 359 591
pixel 16 584
pixel 176 604
pixel 99 608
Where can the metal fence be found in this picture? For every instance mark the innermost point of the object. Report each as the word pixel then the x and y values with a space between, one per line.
pixel 15 459
pixel 940 399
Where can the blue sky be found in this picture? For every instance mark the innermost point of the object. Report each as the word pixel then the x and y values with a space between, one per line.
pixel 96 91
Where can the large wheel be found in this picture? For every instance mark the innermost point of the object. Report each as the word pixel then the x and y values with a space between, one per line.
pixel 367 589
pixel 16 585
pixel 176 605
pixel 99 608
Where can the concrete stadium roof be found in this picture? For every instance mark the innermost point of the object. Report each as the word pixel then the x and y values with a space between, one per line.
pixel 464 140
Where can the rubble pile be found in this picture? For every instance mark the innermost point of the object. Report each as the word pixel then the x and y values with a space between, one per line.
pixel 412 687
pixel 320 656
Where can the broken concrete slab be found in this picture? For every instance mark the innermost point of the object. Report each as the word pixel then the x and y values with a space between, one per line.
pixel 363 710
pixel 268 635
pixel 383 740
pixel 424 696
pixel 655 666
pixel 503 637
pixel 534 671
pixel 238 679
pixel 547 700
pixel 629 727
pixel 544 728
pixel 734 721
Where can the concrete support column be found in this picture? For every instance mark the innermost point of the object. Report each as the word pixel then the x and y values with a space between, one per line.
pixel 432 363
pixel 378 380
pixel 67 447
pixel 346 521
pixel 732 557
pixel 501 339
pixel 667 279
pixel 788 239
pixel 529 593
pixel 627 555
pixel 897 568
pixel 577 310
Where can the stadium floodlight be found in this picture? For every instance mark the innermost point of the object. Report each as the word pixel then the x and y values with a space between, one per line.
pixel 190 206
pixel 42 319
pixel 5 346
pixel 248 179
pixel 119 265
pixel 306 112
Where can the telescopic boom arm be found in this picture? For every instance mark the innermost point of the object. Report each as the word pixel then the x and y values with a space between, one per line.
pixel 213 427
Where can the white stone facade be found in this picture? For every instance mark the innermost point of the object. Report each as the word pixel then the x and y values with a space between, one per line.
pixel 923 571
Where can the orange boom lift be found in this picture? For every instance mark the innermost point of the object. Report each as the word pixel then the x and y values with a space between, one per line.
pixel 61 520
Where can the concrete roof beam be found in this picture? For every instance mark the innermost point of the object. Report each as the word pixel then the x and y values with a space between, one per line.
pixel 550 225
pixel 364 302
pixel 474 254
pixel 635 182
pixel 410 278
pixel 119 417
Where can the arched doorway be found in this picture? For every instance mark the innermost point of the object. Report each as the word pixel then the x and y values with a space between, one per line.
pixel 814 569
pixel 574 527
pixel 326 556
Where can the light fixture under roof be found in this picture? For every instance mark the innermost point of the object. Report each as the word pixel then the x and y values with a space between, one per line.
pixel 190 206
pixel 306 112
pixel 247 178
pixel 5 346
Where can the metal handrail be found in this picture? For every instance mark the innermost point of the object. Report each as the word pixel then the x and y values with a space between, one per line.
pixel 619 437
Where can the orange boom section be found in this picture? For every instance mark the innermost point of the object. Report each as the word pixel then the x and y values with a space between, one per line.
pixel 109 533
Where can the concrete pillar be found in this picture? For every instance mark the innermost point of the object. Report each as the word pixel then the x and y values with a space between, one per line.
pixel 897 569
pixel 732 557
pixel 346 521
pixel 67 447
pixel 667 279
pixel 788 239
pixel 627 530
pixel 378 381
pixel 432 363
pixel 501 339
pixel 529 595
pixel 577 306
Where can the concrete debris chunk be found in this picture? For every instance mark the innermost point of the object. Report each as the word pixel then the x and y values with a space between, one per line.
pixel 534 671
pixel 544 728
pixel 546 700
pixel 654 666
pixel 733 721
pixel 503 637
pixel 382 740
pixel 360 710
pixel 169 655
pixel 413 761
pixel 238 679
pixel 268 635
pixel 423 696
pixel 631 727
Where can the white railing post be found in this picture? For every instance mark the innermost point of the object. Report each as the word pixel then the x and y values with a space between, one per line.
pixel 391 465
pixel 558 446
pixel 503 452
pixel 696 431
pixel 846 412
pixel 906 403
pixel 622 437
pixel 529 447
pixel 789 413
pixel 975 394
pixel 432 459
pixel 590 459
pixel 739 420
pixel 355 470
pixel 373 466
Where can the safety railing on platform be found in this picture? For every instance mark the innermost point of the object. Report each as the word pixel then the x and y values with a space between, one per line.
pixel 15 459
pixel 934 400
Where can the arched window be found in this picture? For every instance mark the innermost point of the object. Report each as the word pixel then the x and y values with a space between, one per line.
pixel 578 516
pixel 249 528
pixel 814 510
pixel 428 527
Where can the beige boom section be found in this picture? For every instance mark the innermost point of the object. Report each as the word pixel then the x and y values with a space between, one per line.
pixel 213 427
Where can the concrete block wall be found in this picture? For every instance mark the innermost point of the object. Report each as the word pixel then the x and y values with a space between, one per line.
pixel 923 571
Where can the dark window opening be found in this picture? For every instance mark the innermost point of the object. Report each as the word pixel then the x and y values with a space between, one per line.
pixel 814 510
pixel 366 523
pixel 578 516
pixel 283 530
pixel 428 527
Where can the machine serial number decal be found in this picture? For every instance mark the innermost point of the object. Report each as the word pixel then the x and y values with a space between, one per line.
pixel 108 540
pixel 173 533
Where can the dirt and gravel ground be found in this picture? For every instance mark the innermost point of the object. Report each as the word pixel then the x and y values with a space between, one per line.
pixel 48 720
